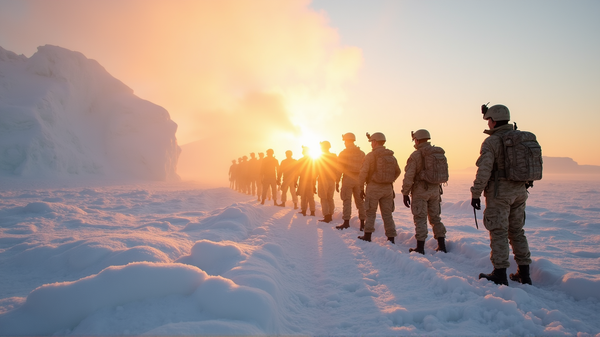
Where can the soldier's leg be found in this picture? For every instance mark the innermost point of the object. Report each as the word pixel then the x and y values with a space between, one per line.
pixel 359 202
pixel 303 202
pixel 386 204
pixel 330 200
pixel 284 189
pixel 434 211
pixel 516 233
pixel 264 191
pixel 311 200
pixel 418 207
pixel 371 213
pixel 346 196
pixel 293 192
pixel 274 191
pixel 495 220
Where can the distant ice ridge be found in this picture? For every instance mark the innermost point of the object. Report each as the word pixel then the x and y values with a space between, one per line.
pixel 64 115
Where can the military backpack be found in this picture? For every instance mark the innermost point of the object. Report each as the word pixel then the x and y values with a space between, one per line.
pixel 385 168
pixel 435 165
pixel 522 156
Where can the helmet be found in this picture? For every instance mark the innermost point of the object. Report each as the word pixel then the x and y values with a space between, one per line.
pixel 326 144
pixel 270 151
pixel 349 136
pixel 420 134
pixel 377 136
pixel 288 152
pixel 497 112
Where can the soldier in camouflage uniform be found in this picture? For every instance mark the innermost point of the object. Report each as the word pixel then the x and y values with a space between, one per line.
pixel 288 177
pixel 378 193
pixel 232 174
pixel 328 176
pixel 504 214
pixel 426 197
pixel 350 161
pixel 306 183
pixel 268 171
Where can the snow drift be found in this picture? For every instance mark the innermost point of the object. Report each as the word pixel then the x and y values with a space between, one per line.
pixel 62 114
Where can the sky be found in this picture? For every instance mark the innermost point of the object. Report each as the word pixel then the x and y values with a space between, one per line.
pixel 245 76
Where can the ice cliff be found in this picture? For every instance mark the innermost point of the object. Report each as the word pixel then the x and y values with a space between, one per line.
pixel 64 115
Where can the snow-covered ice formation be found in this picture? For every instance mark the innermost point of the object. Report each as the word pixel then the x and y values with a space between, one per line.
pixel 64 115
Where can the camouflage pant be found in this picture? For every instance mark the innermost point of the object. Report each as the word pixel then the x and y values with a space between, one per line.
pixel 350 188
pixel 307 200
pixel 326 190
pixel 269 185
pixel 504 218
pixel 381 195
pixel 426 203
pixel 284 189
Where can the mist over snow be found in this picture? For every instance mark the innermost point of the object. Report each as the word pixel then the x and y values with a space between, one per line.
pixel 64 115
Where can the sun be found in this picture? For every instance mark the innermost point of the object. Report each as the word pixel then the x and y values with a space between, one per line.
pixel 313 144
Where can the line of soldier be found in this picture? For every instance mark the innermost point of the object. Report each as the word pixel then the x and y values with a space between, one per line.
pixel 504 216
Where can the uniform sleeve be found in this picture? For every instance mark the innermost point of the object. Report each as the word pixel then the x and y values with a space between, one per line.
pixel 410 171
pixel 485 164
pixel 365 169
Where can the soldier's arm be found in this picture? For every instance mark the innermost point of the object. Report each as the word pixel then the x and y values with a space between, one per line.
pixel 485 165
pixel 410 171
pixel 365 170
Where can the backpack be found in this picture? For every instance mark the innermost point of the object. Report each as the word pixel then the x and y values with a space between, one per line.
pixel 385 168
pixel 435 165
pixel 522 156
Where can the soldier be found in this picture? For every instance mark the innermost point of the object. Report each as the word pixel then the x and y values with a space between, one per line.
pixel 238 173
pixel 306 183
pixel 426 196
pixel 244 173
pixel 232 173
pixel 504 214
pixel 350 161
pixel 288 177
pixel 257 175
pixel 268 171
pixel 253 167
pixel 328 176
pixel 379 171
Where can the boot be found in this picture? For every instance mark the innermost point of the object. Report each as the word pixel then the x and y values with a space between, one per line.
pixel 295 205
pixel 281 205
pixel 362 225
pixel 497 276
pixel 366 237
pixel 327 218
pixel 302 212
pixel 391 239
pixel 275 203
pixel 312 213
pixel 262 202
pixel 420 248
pixel 522 275
pixel 345 225
pixel 441 245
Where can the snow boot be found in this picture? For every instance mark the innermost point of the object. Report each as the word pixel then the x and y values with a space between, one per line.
pixel 497 276
pixel 345 225
pixel 362 225
pixel 275 203
pixel 262 202
pixel 391 239
pixel 295 206
pixel 366 237
pixel 303 213
pixel 522 275
pixel 281 205
pixel 420 248
pixel 441 245
pixel 312 213
pixel 326 218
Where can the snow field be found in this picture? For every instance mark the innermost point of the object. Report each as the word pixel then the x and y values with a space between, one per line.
pixel 168 259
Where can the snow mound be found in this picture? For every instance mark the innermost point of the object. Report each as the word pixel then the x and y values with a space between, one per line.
pixel 64 115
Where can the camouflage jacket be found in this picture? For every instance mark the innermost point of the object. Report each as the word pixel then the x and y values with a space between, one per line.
pixel 369 165
pixel 492 152
pixel 414 164
pixel 350 161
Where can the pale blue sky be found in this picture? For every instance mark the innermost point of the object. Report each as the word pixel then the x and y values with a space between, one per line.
pixel 431 64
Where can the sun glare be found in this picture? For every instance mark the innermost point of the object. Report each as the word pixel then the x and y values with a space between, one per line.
pixel 312 142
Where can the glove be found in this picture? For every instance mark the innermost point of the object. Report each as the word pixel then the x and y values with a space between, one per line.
pixel 362 194
pixel 476 203
pixel 337 187
pixel 407 201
